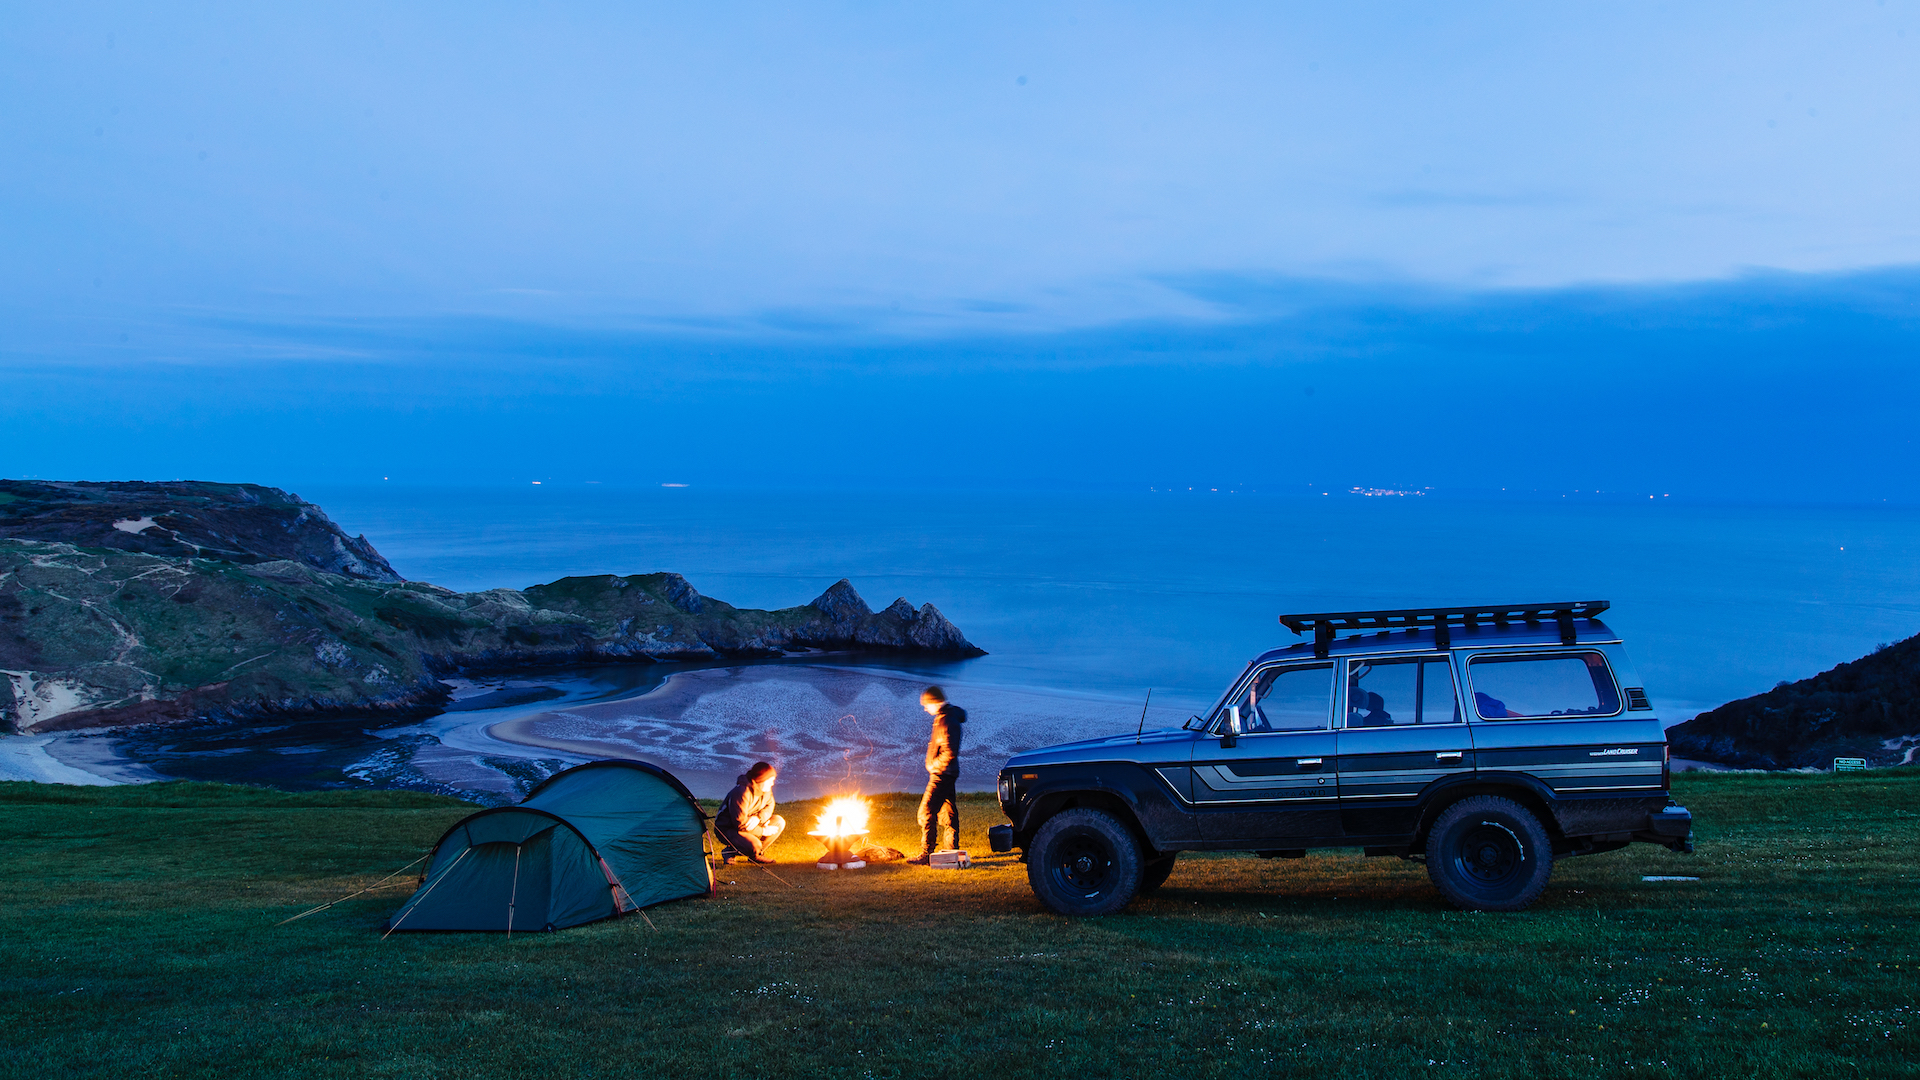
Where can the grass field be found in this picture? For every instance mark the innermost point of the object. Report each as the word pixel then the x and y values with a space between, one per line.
pixel 137 938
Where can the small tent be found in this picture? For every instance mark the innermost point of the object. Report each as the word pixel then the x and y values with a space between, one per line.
pixel 597 840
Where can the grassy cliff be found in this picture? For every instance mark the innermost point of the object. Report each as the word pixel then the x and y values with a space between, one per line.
pixel 245 601
pixel 240 523
pixel 1867 708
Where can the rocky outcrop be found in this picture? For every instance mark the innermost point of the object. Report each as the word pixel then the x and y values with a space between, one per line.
pixel 843 608
pixel 1867 708
pixel 238 523
pixel 661 616
pixel 901 627
pixel 94 636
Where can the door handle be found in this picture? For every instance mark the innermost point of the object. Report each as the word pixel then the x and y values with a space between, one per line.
pixel 1307 763
pixel 1448 755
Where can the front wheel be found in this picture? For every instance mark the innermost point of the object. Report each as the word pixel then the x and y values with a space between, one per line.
pixel 1486 853
pixel 1084 862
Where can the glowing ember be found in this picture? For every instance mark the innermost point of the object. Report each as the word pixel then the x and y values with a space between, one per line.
pixel 843 817
pixel 844 820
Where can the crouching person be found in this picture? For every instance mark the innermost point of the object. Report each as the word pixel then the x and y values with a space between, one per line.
pixel 747 823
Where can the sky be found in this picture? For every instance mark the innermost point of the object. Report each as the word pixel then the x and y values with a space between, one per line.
pixel 1676 244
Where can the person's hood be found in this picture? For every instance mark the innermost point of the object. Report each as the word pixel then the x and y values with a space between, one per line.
pixel 953 712
pixel 742 780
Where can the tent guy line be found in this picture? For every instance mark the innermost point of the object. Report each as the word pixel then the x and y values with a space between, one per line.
pixel 423 895
pixel 351 895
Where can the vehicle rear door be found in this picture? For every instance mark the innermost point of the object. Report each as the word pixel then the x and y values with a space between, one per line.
pixel 1263 777
pixel 1402 728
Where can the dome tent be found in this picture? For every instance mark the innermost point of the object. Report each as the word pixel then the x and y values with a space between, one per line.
pixel 595 841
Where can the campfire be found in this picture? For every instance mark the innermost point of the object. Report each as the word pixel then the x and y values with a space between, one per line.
pixel 841 825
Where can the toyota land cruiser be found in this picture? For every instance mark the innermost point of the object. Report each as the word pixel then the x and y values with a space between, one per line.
pixel 1486 741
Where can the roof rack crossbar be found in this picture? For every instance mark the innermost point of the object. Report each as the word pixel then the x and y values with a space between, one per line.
pixel 1325 624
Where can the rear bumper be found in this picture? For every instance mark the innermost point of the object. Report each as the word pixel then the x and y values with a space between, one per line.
pixel 1671 828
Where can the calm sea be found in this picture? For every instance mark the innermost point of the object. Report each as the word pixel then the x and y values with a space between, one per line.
pixel 1113 594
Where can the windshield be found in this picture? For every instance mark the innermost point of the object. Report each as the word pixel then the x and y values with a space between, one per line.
pixel 1206 718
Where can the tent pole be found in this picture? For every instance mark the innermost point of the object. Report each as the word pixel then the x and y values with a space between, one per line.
pixel 513 895
pixel 706 832
pixel 423 896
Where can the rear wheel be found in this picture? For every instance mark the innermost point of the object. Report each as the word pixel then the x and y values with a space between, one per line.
pixel 1486 853
pixel 1084 862
pixel 1155 874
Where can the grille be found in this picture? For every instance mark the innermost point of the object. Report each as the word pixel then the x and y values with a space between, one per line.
pixel 1637 699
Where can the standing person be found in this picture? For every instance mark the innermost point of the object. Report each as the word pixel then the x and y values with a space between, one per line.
pixel 939 808
pixel 747 823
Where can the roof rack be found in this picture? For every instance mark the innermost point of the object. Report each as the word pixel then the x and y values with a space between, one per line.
pixel 1325 624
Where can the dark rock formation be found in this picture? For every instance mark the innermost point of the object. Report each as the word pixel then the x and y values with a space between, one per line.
pixel 1867 708
pixel 901 627
pixel 240 523
pixel 661 616
pixel 95 635
pixel 843 607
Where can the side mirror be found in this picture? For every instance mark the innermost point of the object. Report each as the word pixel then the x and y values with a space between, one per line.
pixel 1231 736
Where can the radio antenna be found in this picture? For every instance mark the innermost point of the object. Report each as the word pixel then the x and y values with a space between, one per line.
pixel 1143 717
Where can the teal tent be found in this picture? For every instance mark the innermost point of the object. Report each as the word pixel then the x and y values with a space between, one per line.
pixel 596 841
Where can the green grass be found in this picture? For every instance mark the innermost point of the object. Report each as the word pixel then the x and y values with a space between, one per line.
pixel 137 938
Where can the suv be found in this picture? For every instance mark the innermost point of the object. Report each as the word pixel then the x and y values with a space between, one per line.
pixel 1485 740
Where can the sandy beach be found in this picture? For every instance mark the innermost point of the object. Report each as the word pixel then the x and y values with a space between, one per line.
pixel 27 757
pixel 828 728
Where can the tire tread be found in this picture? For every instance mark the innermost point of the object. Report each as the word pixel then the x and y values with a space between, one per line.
pixel 1126 851
pixel 1533 833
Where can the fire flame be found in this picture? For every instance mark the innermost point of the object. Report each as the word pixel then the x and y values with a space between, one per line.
pixel 844 817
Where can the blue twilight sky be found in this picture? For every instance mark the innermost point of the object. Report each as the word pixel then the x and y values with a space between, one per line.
pixel 1639 246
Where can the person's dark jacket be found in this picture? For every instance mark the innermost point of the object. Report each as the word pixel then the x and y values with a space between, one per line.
pixel 943 747
pixel 743 802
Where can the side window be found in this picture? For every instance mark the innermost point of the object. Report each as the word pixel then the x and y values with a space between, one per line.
pixel 1389 693
pixel 1288 699
pixel 1564 684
